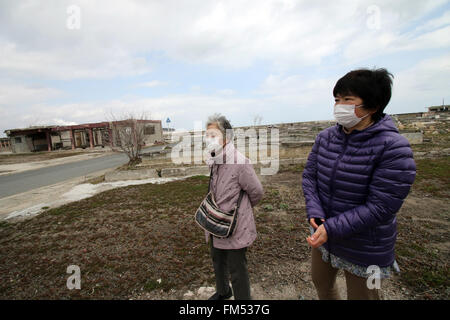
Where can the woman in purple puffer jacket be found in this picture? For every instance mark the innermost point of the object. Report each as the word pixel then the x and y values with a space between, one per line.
pixel 355 180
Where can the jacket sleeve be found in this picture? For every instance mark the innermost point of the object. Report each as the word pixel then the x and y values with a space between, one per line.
pixel 249 182
pixel 309 184
pixel 391 182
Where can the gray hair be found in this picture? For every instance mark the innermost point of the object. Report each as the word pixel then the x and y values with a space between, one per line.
pixel 223 124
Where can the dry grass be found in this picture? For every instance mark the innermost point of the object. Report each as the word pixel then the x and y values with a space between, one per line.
pixel 125 239
pixel 122 240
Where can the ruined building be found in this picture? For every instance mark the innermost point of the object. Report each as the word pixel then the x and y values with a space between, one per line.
pixel 88 135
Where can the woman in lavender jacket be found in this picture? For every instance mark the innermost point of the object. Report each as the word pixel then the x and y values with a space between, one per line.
pixel 231 172
pixel 355 180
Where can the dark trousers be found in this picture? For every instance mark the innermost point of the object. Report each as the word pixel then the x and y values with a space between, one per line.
pixel 231 263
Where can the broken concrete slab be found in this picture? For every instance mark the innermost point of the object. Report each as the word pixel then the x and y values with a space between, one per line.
pixel 413 137
pixel 185 171
pixel 197 170
pixel 131 175
pixel 294 144
pixel 31 203
pixel 173 172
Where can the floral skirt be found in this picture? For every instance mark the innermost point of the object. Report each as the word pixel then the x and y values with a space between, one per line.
pixel 357 270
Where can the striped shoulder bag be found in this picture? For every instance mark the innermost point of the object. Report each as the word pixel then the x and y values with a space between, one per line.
pixel 211 218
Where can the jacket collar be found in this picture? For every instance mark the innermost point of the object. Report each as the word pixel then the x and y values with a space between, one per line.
pixel 225 156
pixel 384 124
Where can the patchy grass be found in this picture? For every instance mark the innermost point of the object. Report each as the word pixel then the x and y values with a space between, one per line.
pixel 424 268
pixel 124 240
pixel 422 247
pixel 96 180
pixel 293 168
pixel 433 177
pixel 3 224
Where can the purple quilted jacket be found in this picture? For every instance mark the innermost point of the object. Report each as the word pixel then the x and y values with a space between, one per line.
pixel 357 182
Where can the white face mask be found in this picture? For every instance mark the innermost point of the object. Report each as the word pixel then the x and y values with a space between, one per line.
pixel 345 115
pixel 213 146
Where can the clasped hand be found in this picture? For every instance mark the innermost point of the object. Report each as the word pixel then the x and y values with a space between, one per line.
pixel 319 237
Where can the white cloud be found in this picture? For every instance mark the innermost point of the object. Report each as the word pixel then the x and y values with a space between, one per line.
pixel 299 95
pixel 151 84
pixel 115 38
pixel 438 22
pixel 183 110
pixel 226 92
pixel 391 38
pixel 14 95
pixel 128 39
pixel 65 64
pixel 271 102
pixel 54 121
pixel 435 39
pixel 422 85
pixel 280 98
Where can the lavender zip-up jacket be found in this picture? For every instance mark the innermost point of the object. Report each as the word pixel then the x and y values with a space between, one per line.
pixel 357 182
pixel 231 173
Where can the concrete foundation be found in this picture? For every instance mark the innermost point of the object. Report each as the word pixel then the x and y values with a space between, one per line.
pixel 131 175
pixel 413 137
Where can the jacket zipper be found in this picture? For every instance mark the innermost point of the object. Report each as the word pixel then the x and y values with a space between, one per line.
pixel 333 175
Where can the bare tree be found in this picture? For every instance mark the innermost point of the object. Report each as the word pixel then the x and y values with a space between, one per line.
pixel 128 135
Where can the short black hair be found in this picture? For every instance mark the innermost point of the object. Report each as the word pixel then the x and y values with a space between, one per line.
pixel 374 87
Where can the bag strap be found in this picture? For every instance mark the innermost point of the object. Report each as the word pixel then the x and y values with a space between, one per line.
pixel 241 193
pixel 210 177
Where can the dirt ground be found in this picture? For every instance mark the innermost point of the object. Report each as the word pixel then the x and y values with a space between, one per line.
pixel 281 269
pixel 140 242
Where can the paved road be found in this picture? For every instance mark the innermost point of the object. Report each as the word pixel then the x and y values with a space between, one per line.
pixel 27 180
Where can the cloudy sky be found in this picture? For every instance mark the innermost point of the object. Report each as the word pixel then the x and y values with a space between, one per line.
pixel 69 62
